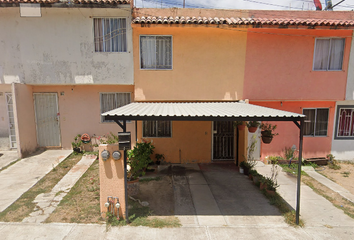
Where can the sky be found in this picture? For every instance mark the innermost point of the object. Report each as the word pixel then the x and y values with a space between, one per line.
pixel 347 5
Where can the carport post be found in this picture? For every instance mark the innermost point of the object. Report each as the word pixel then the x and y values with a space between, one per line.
pixel 299 171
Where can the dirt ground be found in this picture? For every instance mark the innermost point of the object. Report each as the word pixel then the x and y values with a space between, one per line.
pixel 159 195
pixel 343 176
pixel 339 176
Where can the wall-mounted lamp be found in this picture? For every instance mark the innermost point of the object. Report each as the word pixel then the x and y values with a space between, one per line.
pixel 105 155
pixel 116 155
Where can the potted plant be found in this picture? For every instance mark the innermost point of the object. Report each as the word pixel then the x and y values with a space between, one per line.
pixel 262 183
pixel 159 158
pixel 256 178
pixel 249 161
pixel 240 125
pixel 271 182
pixel 252 173
pixel 271 185
pixel 77 144
pixel 252 126
pixel 268 132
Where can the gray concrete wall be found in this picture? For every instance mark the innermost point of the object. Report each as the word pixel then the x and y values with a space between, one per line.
pixel 58 48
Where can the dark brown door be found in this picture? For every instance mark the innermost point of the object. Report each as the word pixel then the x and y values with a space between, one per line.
pixel 223 140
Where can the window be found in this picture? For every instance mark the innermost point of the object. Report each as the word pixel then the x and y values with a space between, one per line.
pixel 157 128
pixel 345 122
pixel 316 122
pixel 156 52
pixel 110 101
pixel 110 34
pixel 328 54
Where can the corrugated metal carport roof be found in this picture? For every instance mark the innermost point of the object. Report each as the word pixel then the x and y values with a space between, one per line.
pixel 199 111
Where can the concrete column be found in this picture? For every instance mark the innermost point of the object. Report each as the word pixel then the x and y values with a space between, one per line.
pixel 111 179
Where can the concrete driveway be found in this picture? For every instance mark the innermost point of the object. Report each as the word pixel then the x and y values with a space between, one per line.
pixel 21 176
pixel 7 157
pixel 218 195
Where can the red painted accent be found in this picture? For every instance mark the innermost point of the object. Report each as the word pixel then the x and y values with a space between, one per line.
pixel 318 4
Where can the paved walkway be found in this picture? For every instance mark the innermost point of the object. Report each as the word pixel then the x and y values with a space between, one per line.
pixel 315 210
pixel 329 183
pixel 7 157
pixel 47 203
pixel 20 177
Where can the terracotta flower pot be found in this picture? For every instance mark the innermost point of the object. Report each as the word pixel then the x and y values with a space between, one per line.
pixel 255 180
pixel 252 129
pixel 270 192
pixel 241 127
pixel 250 176
pixel 262 186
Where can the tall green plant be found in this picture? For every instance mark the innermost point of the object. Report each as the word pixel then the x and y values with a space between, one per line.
pixel 249 161
pixel 139 158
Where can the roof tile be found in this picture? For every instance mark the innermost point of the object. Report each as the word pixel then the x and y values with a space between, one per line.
pixel 242 21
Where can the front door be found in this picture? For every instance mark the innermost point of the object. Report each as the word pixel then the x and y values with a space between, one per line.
pixel 10 113
pixel 223 140
pixel 47 119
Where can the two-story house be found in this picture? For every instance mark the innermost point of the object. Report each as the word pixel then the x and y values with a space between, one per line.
pixel 287 60
pixel 62 63
pixel 300 63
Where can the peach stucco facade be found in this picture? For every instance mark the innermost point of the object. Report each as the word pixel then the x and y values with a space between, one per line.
pixel 289 133
pixel 279 66
pixel 208 64
pixel 79 110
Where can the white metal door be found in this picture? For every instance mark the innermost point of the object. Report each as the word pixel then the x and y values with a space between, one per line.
pixel 255 137
pixel 10 113
pixel 47 119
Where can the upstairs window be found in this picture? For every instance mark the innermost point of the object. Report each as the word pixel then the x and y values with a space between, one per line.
pixel 156 52
pixel 110 34
pixel 110 101
pixel 345 123
pixel 157 129
pixel 328 54
pixel 316 122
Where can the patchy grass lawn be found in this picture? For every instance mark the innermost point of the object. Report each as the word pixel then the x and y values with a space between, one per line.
pixel 24 205
pixel 343 176
pixel 82 203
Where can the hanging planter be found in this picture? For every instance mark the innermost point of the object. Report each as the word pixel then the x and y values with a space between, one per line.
pixel 252 126
pixel 267 132
pixel 240 125
pixel 266 138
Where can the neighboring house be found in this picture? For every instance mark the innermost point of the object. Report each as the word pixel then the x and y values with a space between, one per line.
pixel 300 64
pixel 61 65
pixel 289 60
pixel 343 130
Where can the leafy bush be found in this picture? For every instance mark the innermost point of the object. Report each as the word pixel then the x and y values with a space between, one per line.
pixel 139 158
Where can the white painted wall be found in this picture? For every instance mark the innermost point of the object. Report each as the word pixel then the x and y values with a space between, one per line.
pixel 58 48
pixel 342 149
pixel 350 80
